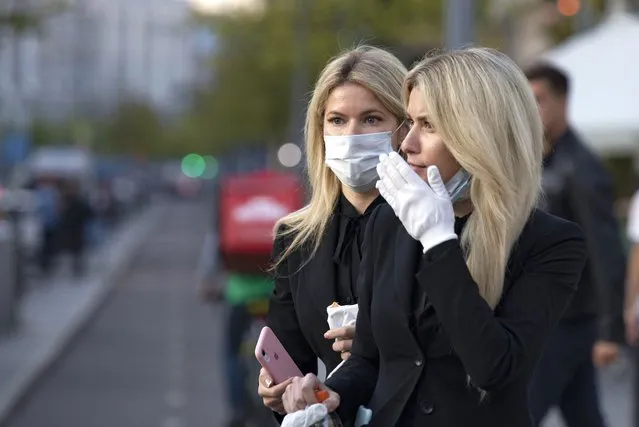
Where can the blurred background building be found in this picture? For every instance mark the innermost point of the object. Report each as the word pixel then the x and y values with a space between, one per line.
pixel 91 55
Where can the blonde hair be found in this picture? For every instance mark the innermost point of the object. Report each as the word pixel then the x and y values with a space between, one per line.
pixel 378 71
pixel 481 104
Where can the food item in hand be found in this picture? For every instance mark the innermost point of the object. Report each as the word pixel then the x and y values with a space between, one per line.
pixel 321 395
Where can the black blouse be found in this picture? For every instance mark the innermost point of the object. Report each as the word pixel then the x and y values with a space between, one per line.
pixel 348 251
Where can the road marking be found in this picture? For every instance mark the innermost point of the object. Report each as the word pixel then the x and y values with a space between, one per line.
pixel 174 422
pixel 175 399
pixel 176 374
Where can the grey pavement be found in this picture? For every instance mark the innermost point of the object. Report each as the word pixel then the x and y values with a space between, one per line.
pixel 51 315
pixel 616 395
pixel 150 356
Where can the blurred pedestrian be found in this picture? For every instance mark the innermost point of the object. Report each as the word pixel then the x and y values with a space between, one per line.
pixel 48 205
pixel 75 216
pixel 578 187
pixel 240 293
pixel 632 295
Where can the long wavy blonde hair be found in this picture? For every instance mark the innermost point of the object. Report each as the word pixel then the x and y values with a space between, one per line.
pixel 375 69
pixel 481 104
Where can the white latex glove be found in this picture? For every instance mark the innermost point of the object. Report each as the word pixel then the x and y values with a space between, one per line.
pixel 424 209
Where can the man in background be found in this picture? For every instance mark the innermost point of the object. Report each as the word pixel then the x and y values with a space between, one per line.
pixel 577 187
pixel 632 294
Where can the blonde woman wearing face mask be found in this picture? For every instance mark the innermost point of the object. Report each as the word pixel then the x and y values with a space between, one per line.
pixel 462 279
pixel 354 116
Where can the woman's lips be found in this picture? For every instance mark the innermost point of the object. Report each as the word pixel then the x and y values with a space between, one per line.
pixel 416 168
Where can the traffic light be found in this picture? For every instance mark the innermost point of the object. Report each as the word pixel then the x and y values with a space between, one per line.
pixel 211 167
pixel 193 165
pixel 568 7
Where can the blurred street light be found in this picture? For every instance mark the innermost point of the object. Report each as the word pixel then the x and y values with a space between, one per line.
pixel 211 167
pixel 193 165
pixel 289 155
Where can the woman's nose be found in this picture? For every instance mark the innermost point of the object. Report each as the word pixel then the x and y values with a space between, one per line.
pixel 353 128
pixel 410 144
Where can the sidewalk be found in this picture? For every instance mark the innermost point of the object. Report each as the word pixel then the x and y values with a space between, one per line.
pixel 616 394
pixel 52 314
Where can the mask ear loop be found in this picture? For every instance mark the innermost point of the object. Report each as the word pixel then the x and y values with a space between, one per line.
pixel 399 146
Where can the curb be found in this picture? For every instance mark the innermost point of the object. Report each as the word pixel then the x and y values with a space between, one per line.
pixel 129 240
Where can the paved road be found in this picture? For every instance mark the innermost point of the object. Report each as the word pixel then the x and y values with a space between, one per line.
pixel 149 357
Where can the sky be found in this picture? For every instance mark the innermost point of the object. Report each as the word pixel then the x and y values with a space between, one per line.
pixel 223 6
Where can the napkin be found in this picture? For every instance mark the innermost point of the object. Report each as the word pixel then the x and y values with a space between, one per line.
pixel 316 414
pixel 339 316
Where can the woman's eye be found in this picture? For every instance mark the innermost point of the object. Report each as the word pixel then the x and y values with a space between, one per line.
pixel 336 121
pixel 409 123
pixel 372 120
pixel 427 125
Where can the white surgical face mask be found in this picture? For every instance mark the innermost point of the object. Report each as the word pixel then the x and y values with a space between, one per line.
pixel 354 158
pixel 458 185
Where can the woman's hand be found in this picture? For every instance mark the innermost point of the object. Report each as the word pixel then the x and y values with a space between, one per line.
pixel 604 353
pixel 343 339
pixel 300 393
pixel 425 209
pixel 272 394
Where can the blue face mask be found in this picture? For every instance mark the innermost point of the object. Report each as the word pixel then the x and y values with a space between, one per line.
pixel 458 185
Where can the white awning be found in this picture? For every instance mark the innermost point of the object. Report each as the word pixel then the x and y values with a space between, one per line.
pixel 603 65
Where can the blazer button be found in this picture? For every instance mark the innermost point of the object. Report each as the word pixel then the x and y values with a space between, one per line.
pixel 418 362
pixel 426 407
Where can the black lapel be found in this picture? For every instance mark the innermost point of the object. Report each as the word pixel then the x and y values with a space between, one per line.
pixel 318 275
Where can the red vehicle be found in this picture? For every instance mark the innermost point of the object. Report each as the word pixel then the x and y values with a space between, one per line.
pixel 249 207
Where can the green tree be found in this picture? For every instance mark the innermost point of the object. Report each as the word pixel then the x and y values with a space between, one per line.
pixel 136 129
pixel 249 98
pixel 23 19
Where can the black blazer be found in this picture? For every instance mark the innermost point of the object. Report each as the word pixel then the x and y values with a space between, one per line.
pixel 303 290
pixel 496 350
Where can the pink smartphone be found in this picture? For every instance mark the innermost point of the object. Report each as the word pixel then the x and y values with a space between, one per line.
pixel 271 354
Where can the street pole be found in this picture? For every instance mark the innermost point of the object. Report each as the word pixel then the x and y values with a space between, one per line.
pixel 147 52
pixel 121 53
pixel 299 81
pixel 585 17
pixel 617 6
pixel 19 117
pixel 76 56
pixel 460 23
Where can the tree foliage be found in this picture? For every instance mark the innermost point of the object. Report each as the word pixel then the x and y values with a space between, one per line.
pixel 23 19
pixel 249 98
pixel 135 129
